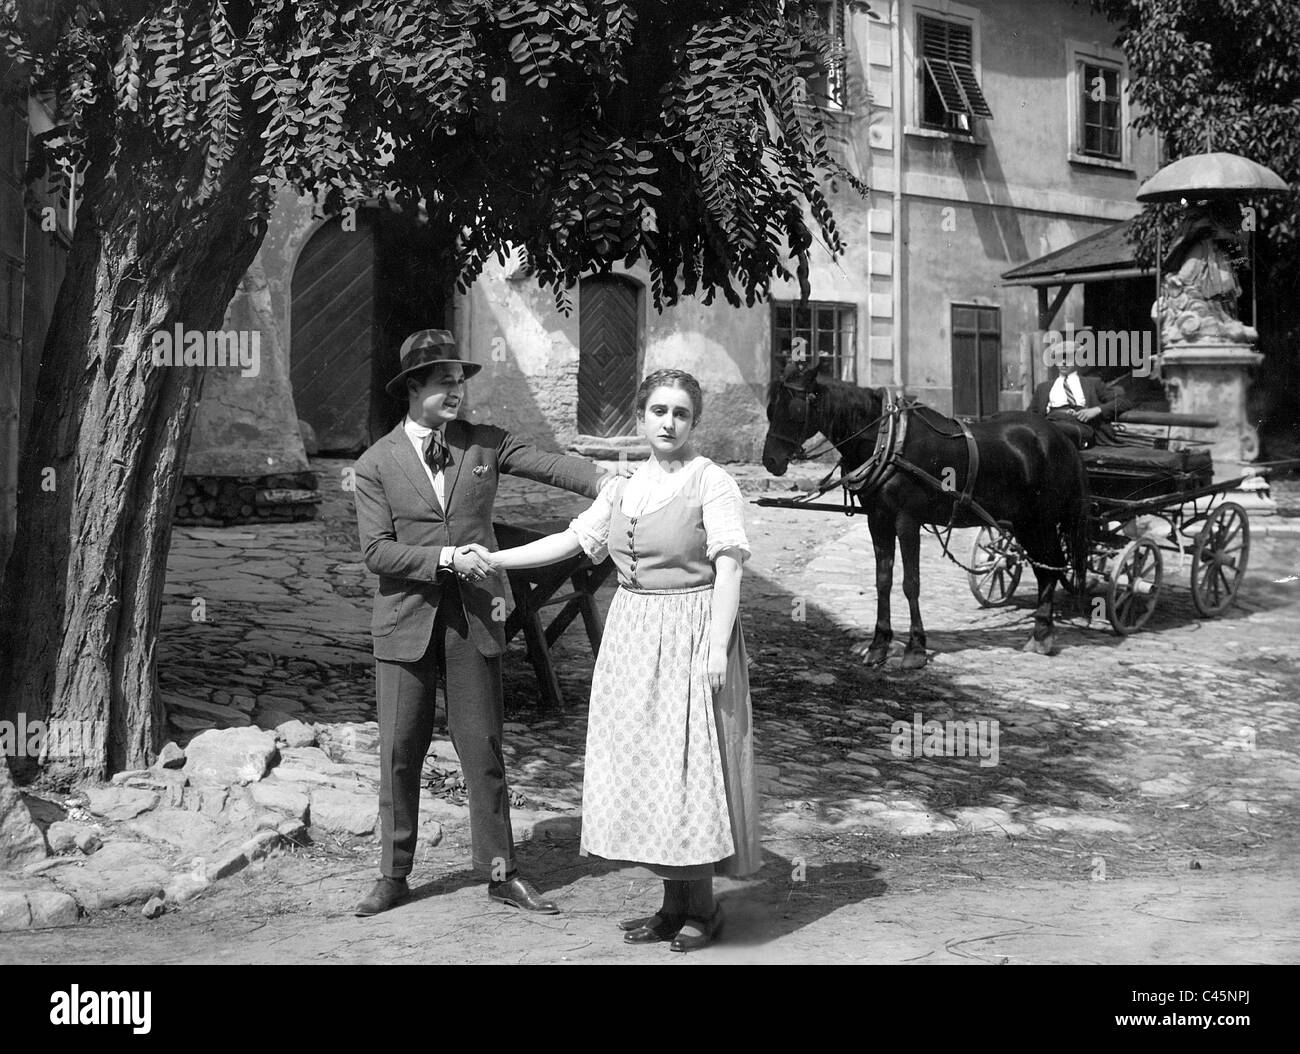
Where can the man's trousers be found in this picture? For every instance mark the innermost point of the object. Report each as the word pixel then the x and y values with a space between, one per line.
pixel 475 713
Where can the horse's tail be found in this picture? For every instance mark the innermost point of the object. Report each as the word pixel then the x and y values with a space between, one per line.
pixel 1075 529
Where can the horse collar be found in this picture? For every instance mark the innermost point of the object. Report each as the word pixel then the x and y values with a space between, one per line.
pixel 878 469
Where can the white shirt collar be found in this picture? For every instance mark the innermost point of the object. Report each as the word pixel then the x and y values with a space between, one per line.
pixel 417 430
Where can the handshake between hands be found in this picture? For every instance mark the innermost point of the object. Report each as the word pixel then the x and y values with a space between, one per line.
pixel 472 562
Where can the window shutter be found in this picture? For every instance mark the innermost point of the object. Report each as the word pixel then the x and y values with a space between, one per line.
pixel 945 83
pixel 970 87
pixel 947 52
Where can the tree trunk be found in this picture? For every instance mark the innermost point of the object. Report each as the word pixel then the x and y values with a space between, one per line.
pixel 98 475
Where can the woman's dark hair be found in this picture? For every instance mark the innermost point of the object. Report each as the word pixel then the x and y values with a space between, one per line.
pixel 670 379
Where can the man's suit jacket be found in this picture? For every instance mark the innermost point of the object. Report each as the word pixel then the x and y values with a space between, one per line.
pixel 1096 392
pixel 403 529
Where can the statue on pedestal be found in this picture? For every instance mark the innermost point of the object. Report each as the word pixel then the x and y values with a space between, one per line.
pixel 1198 296
pixel 1206 352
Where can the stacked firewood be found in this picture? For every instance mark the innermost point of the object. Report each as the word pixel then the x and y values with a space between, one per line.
pixel 219 501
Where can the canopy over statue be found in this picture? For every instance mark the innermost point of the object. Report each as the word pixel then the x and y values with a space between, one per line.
pixel 1206 351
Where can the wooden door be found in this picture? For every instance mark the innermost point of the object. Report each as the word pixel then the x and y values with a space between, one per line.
pixel 332 334
pixel 976 360
pixel 608 339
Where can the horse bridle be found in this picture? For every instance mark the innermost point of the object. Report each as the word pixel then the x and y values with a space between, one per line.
pixel 803 396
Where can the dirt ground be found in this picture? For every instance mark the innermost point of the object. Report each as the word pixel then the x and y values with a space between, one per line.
pixel 866 904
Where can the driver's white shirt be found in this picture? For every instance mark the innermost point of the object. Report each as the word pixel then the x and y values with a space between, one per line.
pixel 1059 398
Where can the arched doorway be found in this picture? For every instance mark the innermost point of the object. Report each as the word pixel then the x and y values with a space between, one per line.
pixel 359 289
pixel 332 315
pixel 609 345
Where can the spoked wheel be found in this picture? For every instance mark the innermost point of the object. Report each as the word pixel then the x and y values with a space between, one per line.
pixel 1219 557
pixel 1133 586
pixel 995 564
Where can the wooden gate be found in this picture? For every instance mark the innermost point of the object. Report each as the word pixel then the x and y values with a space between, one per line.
pixel 332 334
pixel 608 338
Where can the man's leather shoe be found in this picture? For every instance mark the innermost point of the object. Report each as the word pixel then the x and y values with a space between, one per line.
pixel 388 893
pixel 710 928
pixel 656 928
pixel 518 892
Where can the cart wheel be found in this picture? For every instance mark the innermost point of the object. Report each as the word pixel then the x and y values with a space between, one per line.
pixel 1133 586
pixel 995 568
pixel 1219 557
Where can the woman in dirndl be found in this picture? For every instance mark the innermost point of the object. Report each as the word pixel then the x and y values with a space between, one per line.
pixel 669 774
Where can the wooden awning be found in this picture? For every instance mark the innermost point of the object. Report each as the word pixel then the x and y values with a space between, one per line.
pixel 1105 256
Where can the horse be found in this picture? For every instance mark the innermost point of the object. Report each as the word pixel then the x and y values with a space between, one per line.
pixel 1029 477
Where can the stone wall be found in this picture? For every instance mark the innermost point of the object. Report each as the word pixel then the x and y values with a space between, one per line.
pixel 529 352
pixel 245 432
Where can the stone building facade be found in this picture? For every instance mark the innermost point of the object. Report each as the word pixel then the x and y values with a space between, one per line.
pixel 990 132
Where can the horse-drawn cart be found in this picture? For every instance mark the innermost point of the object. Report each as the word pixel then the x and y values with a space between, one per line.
pixel 1148 497
pixel 1146 501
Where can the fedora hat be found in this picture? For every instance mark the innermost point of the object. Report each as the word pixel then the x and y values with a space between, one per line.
pixel 427 347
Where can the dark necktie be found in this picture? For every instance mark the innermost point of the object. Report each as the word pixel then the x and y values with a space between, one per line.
pixel 436 453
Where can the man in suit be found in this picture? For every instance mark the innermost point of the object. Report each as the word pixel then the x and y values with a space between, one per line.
pixel 424 496
pixel 1080 406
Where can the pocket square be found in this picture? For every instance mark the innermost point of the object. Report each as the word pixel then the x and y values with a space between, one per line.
pixel 481 471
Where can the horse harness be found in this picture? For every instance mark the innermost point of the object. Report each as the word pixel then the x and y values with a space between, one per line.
pixel 887 458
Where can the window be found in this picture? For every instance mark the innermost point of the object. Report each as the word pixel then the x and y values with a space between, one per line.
pixel 949 92
pixel 816 329
pixel 826 84
pixel 1099 108
pixel 976 359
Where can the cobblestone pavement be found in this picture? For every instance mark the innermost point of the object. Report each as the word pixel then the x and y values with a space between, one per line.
pixel 1165 753
pixel 1110 735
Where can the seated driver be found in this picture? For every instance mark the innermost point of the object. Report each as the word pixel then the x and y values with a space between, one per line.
pixel 1082 406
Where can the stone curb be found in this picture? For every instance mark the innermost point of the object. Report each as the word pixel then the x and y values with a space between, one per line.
pixel 1276 528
